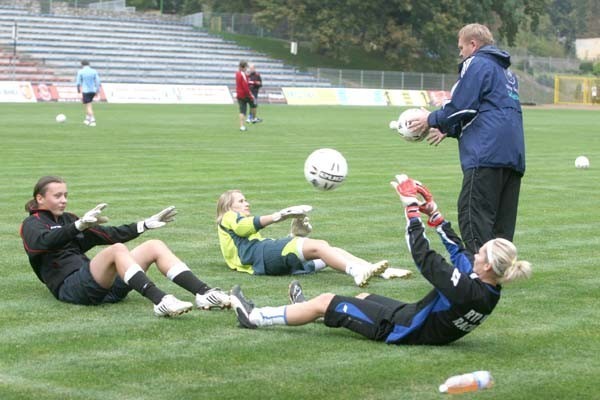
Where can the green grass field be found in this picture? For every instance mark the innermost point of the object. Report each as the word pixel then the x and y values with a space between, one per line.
pixel 542 341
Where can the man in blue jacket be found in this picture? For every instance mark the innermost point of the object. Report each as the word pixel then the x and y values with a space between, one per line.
pixel 484 115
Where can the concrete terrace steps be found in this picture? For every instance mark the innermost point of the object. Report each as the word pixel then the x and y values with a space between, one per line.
pixel 69 56
pixel 136 51
pixel 75 21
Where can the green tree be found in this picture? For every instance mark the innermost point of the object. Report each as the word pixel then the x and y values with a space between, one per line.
pixel 408 33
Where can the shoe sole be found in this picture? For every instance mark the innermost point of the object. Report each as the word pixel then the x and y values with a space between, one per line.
pixel 176 313
pixel 209 308
pixel 383 265
pixel 240 311
pixel 294 283
pixel 243 320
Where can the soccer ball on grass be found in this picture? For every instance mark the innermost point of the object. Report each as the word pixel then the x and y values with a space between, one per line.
pixel 582 162
pixel 325 169
pixel 60 118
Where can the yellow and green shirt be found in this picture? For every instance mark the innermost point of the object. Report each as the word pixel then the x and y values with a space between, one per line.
pixel 238 237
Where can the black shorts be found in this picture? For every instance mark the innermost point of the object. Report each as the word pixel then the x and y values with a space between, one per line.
pixel 371 317
pixel 255 94
pixel 244 103
pixel 87 97
pixel 81 288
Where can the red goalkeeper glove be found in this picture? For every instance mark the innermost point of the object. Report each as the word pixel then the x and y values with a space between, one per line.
pixel 430 207
pixel 407 190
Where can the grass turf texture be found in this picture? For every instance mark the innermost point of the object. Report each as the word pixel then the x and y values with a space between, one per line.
pixel 541 342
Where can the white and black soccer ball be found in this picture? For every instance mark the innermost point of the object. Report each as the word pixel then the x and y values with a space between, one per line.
pixel 325 169
pixel 60 118
pixel 403 125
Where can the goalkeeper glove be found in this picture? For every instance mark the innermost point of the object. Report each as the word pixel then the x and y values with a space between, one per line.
pixel 430 207
pixel 294 211
pixel 91 218
pixel 157 220
pixel 407 190
pixel 435 219
pixel 301 227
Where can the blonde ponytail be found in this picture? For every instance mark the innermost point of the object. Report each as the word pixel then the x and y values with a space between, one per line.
pixel 502 255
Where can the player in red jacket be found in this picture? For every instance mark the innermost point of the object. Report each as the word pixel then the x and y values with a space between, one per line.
pixel 243 94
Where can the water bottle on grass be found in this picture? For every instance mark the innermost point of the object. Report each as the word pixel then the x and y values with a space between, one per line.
pixel 471 382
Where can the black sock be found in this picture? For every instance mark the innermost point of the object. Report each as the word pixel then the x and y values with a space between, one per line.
pixel 190 282
pixel 144 286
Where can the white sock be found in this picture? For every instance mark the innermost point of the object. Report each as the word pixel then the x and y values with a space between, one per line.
pixel 265 316
pixel 131 271
pixel 353 269
pixel 319 264
pixel 176 270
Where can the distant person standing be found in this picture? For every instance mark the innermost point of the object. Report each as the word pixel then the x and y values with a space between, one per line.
pixel 484 115
pixel 255 83
pixel 88 84
pixel 243 94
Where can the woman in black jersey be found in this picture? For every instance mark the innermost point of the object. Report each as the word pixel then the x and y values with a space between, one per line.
pixel 56 242
pixel 465 292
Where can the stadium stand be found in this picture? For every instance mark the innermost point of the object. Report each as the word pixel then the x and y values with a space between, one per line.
pixel 50 47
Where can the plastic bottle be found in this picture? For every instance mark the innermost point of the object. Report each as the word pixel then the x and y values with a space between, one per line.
pixel 471 382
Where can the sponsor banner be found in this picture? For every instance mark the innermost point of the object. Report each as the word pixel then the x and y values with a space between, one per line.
pixel 271 95
pixel 61 92
pixel 403 98
pixel 266 95
pixel 16 92
pixel 166 94
pixel 356 97
pixel 311 96
pixel 44 92
pixel 361 97
pixel 439 97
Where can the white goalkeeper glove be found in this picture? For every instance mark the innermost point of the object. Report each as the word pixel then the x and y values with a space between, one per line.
pixel 157 220
pixel 294 211
pixel 91 218
pixel 301 227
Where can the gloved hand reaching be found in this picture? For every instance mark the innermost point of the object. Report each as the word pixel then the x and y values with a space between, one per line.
pixel 294 211
pixel 92 218
pixel 301 227
pixel 407 190
pixel 430 207
pixel 158 220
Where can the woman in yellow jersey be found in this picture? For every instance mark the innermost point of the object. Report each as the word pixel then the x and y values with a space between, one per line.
pixel 245 250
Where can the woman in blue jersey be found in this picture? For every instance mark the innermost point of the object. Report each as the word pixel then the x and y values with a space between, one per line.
pixel 245 250
pixel 464 295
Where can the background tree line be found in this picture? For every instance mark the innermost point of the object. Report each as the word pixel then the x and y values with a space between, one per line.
pixel 410 34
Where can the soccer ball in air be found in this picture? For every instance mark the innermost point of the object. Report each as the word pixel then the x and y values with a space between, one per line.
pixel 60 118
pixel 403 125
pixel 582 162
pixel 325 169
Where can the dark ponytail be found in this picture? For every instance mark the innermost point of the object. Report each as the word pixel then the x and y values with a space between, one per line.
pixel 40 188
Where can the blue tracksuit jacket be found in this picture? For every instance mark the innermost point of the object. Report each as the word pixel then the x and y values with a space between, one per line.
pixel 484 113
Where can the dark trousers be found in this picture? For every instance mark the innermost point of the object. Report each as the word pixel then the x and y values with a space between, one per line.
pixel 487 205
